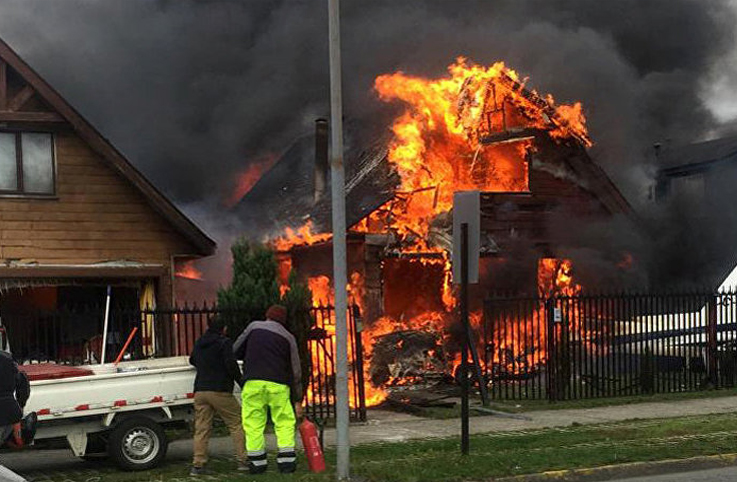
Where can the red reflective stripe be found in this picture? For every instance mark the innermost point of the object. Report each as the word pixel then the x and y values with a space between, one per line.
pixel 190 395
pixel 120 403
pixel 157 399
pixel 44 411
pixel 82 407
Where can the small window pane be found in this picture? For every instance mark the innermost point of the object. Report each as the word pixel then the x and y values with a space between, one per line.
pixel 38 170
pixel 8 167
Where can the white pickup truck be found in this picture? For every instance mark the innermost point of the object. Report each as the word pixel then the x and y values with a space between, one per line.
pixel 119 411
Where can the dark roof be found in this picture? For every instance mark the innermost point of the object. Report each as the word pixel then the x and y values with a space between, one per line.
pixel 109 153
pixel 697 155
pixel 284 196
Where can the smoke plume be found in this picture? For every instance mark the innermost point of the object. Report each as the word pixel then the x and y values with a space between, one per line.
pixel 194 91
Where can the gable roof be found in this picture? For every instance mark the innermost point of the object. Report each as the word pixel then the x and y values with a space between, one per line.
pixel 87 132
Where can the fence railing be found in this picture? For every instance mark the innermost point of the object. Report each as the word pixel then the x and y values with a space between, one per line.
pixel 587 346
pixel 74 337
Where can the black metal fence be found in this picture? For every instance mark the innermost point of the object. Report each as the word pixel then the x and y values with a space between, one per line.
pixel 74 337
pixel 587 346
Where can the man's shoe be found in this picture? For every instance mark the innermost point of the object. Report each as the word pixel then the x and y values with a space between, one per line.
pixel 195 471
pixel 287 468
pixel 257 469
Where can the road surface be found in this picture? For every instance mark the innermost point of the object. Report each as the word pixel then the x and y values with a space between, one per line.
pixel 712 475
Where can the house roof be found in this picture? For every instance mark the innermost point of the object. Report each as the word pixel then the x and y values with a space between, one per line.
pixel 284 195
pixel 204 244
pixel 695 156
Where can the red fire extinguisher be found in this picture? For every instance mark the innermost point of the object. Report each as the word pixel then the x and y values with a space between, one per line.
pixel 311 444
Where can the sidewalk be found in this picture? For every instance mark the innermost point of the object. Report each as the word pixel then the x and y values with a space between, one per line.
pixel 384 426
pixel 392 427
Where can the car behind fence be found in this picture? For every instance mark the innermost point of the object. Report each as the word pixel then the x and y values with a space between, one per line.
pixel 594 345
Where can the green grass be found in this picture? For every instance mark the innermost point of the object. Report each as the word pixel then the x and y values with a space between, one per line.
pixel 552 449
pixel 500 454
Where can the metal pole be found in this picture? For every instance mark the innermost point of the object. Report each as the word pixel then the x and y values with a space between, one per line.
pixel 104 327
pixel 466 339
pixel 340 278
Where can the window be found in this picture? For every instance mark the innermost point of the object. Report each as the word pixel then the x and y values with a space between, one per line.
pixel 26 163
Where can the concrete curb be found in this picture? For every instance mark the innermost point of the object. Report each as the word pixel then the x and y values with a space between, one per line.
pixel 633 469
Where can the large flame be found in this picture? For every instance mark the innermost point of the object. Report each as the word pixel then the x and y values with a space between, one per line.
pixel 469 130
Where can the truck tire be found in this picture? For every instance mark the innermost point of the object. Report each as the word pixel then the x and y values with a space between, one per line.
pixel 137 443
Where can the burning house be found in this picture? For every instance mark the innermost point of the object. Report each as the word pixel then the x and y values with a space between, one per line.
pixel 477 128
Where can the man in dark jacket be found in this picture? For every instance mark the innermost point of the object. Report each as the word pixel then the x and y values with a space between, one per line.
pixel 14 392
pixel 217 370
pixel 273 381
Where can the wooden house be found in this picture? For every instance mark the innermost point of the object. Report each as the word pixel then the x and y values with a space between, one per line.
pixel 75 216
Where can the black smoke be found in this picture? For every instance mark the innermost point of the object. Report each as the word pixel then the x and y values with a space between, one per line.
pixel 191 90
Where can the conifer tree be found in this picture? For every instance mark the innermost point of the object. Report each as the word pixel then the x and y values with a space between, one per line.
pixel 255 286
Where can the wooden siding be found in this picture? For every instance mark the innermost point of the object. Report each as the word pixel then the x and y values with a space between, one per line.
pixel 96 216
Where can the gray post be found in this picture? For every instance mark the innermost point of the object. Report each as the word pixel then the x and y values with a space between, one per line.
pixel 340 278
pixel 466 339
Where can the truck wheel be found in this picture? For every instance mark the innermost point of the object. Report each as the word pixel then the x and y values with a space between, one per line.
pixel 137 444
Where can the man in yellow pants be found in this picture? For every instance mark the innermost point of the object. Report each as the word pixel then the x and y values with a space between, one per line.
pixel 273 382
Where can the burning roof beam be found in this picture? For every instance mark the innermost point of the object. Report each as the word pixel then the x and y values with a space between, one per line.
pixel 550 112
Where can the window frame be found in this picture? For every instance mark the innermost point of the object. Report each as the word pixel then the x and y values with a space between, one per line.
pixel 19 192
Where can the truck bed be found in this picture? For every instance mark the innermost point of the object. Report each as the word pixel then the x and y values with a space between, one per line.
pixel 104 388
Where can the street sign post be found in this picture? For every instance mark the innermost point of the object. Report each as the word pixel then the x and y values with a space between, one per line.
pixel 466 210
pixel 465 259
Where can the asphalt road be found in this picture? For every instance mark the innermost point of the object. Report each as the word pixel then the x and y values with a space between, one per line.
pixel 711 475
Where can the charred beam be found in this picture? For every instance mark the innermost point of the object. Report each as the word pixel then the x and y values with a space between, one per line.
pixel 504 137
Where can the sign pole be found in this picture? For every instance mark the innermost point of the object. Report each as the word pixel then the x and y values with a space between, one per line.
pixel 464 345
pixel 337 174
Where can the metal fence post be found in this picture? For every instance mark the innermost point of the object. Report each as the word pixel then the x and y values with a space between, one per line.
pixel 551 348
pixel 358 360
pixel 711 337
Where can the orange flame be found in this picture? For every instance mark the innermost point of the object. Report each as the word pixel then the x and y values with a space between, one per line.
pixel 302 236
pixel 248 178
pixel 188 270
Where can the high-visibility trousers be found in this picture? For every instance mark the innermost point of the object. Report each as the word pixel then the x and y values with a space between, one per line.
pixel 258 396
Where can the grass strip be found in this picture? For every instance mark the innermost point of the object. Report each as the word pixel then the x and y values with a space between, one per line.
pixel 498 454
